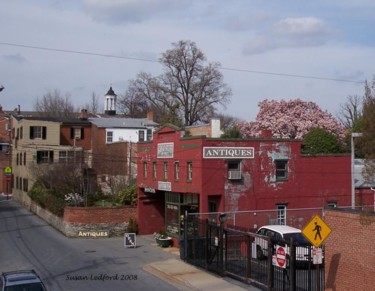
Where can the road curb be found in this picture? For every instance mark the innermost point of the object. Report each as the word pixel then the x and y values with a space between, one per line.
pixel 178 283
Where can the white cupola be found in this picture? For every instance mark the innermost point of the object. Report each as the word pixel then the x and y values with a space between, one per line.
pixel 110 102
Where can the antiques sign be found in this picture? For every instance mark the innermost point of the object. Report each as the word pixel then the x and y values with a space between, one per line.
pixel 228 152
pixel 165 150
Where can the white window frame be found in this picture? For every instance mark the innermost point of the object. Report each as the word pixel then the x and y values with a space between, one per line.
pixel 281 214
pixel 109 137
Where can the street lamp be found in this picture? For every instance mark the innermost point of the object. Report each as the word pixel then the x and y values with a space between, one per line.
pixel 353 135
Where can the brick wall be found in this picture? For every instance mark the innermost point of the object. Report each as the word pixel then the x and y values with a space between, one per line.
pixel 95 215
pixel 350 256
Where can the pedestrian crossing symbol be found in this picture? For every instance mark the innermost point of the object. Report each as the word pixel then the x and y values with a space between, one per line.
pixel 316 231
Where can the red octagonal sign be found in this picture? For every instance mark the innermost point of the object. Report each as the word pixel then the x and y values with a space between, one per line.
pixel 280 256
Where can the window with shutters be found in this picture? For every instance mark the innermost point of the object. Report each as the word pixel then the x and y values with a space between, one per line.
pixel 37 132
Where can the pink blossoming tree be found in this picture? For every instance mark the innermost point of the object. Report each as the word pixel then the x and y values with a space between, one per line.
pixel 290 119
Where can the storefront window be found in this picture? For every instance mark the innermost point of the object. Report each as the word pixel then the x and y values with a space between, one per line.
pixel 175 206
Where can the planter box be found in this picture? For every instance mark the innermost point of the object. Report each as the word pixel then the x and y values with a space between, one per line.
pixel 164 242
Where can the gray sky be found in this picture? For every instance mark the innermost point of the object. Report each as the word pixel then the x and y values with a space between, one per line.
pixel 267 49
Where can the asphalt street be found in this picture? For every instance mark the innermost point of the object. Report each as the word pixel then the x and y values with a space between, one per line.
pixel 28 242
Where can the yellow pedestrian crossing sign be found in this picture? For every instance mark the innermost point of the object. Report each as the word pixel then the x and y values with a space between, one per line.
pixel 8 170
pixel 316 231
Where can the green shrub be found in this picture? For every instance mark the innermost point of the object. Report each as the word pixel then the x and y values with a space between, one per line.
pixel 39 194
pixel 132 226
pixel 320 141
pixel 128 196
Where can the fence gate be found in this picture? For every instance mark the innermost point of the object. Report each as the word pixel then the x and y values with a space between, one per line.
pixel 241 255
pixel 203 245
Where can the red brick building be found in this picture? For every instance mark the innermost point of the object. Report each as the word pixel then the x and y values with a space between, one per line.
pixel 200 174
pixel 5 152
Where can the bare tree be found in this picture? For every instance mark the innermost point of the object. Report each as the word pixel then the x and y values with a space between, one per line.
pixel 137 102
pixel 188 91
pixel 351 111
pixel 54 104
pixel 93 106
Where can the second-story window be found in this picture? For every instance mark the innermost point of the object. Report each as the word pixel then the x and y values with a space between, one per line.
pixel 281 170
pixel 165 170
pixel 234 170
pixel 149 134
pixel 141 135
pixel 109 136
pixel 145 170
pixel 176 171
pixel 76 133
pixel 189 171
pixel 154 173
pixel 38 132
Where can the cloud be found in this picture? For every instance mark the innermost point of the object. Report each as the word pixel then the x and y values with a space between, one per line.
pixel 128 11
pixel 290 32
pixel 15 58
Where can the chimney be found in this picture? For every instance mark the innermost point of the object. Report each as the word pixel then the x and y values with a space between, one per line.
pixel 150 116
pixel 266 133
pixel 84 114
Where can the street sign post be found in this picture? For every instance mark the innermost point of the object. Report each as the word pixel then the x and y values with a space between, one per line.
pixel 316 231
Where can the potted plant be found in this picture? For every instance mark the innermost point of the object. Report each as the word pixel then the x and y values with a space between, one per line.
pixel 162 239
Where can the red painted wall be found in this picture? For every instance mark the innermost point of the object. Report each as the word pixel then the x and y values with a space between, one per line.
pixel 313 181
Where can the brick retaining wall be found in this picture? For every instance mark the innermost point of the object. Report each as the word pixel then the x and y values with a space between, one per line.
pixel 349 262
pixel 113 220
pixel 94 215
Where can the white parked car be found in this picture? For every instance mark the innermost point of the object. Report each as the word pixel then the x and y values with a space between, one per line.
pixel 281 233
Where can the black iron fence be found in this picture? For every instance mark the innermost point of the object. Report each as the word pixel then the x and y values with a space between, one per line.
pixel 262 261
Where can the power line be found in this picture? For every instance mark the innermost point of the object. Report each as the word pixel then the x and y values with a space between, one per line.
pixel 156 61
pixel 77 52
pixel 293 76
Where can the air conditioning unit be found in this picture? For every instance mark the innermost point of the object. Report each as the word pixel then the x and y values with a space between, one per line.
pixel 234 175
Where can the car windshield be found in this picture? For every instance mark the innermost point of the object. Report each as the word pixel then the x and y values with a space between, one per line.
pixel 297 237
pixel 28 287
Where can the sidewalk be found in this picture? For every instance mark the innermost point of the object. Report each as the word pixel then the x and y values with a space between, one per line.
pixel 188 277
